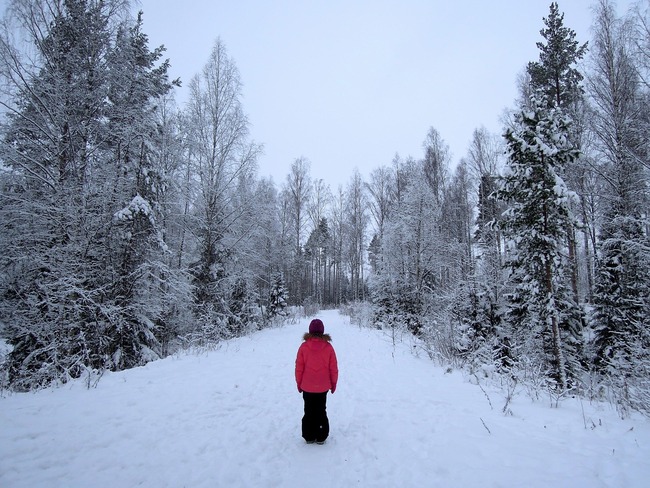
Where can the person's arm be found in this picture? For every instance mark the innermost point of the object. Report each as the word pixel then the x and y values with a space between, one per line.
pixel 300 368
pixel 334 370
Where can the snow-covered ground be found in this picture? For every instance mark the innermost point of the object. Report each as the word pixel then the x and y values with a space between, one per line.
pixel 231 418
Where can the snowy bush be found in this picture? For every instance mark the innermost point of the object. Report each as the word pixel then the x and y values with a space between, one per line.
pixel 360 313
pixel 310 307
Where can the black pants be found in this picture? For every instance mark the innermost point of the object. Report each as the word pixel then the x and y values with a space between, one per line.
pixel 315 425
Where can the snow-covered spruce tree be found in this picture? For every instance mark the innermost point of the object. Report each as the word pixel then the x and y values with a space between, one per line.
pixel 479 294
pixel 135 239
pixel 62 296
pixel 374 253
pixel 556 75
pixel 320 244
pixel 50 125
pixel 621 318
pixel 244 314
pixel 622 307
pixel 475 329
pixel 541 312
pixel 277 297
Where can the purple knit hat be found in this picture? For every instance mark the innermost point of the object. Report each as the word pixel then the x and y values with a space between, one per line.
pixel 316 327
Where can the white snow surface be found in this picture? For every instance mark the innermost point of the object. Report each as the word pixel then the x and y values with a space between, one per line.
pixel 231 418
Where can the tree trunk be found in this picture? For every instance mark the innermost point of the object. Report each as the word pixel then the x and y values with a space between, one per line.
pixel 573 262
pixel 555 329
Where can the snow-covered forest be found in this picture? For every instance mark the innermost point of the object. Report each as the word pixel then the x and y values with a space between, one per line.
pixel 133 227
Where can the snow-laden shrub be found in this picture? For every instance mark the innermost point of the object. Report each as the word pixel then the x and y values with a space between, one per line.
pixel 360 313
pixel 310 307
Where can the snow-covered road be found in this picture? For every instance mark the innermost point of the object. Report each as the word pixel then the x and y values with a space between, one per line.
pixel 231 418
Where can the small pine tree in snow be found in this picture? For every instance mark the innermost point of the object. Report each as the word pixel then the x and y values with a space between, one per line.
pixel 277 298
pixel 541 311
pixel 622 306
pixel 243 312
pixel 479 341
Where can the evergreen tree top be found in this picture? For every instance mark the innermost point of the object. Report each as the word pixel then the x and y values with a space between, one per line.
pixel 556 73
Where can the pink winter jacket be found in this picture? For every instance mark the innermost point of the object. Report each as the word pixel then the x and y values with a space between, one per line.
pixel 316 367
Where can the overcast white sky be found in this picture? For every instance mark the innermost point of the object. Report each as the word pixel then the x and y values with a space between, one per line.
pixel 349 83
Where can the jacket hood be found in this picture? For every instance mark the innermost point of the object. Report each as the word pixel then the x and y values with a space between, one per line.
pixel 322 337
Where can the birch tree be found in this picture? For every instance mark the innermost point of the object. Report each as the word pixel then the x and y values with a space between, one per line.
pixel 297 192
pixel 222 157
pixel 622 297
pixel 357 222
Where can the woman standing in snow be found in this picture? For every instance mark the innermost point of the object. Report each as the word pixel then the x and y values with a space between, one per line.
pixel 316 372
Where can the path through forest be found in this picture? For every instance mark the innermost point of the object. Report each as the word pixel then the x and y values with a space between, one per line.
pixel 231 417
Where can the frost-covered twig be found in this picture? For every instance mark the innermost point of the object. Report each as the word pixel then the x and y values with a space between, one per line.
pixel 512 386
pixel 486 427
pixel 484 392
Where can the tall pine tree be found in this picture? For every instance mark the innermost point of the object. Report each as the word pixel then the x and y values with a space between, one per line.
pixel 542 313
pixel 556 75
